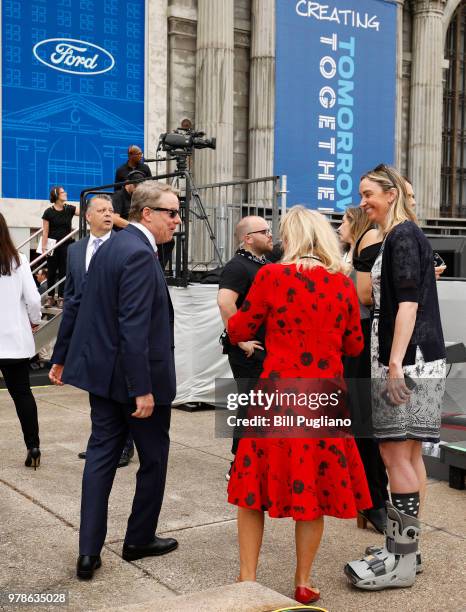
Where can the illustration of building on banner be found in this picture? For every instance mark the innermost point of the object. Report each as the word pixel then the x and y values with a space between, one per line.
pixel 60 137
pixel 72 93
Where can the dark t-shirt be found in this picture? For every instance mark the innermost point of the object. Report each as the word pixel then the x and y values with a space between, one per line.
pixel 122 172
pixel 121 201
pixel 59 220
pixel 238 275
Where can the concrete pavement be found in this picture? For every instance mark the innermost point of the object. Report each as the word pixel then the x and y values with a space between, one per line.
pixel 39 519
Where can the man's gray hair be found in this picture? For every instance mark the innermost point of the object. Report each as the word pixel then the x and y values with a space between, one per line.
pixel 147 194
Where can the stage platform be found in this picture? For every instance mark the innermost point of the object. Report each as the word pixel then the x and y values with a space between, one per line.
pixel 40 519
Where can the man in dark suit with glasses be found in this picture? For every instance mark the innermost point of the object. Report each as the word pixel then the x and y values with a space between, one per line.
pixel 116 342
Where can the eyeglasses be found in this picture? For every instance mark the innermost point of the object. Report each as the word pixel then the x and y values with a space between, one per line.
pixel 264 232
pixel 172 212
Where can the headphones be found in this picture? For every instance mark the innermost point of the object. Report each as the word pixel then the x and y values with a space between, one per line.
pixel 54 195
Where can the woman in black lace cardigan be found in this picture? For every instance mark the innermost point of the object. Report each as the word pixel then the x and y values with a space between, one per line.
pixel 407 369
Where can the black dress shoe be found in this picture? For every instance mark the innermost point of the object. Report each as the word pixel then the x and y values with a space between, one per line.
pixel 159 546
pixel 130 451
pixel 82 455
pixel 125 457
pixel 86 565
pixel 377 517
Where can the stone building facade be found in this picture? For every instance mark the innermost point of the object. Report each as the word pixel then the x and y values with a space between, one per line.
pixel 212 62
pixel 220 58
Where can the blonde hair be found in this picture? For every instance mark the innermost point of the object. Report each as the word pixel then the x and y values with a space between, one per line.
pixel 307 233
pixel 401 210
pixel 359 222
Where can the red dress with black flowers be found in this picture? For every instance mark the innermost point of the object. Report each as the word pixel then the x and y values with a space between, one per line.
pixel 311 318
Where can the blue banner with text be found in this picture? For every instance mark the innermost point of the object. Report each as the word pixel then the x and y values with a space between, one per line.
pixel 73 92
pixel 335 96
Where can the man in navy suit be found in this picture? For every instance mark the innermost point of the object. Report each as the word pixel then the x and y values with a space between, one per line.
pixel 116 342
pixel 99 216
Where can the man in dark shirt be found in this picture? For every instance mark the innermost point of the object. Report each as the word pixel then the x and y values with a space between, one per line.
pixel 134 163
pixel 246 359
pixel 121 200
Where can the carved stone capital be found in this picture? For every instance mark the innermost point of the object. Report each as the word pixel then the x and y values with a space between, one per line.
pixel 428 7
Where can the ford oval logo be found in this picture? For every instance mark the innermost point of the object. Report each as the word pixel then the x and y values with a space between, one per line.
pixel 73 56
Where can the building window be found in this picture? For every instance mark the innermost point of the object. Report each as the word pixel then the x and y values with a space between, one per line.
pixel 64 18
pixel 13 32
pixel 64 83
pixel 453 190
pixel 38 80
pixel 86 22
pixel 12 10
pixel 12 54
pixel 38 14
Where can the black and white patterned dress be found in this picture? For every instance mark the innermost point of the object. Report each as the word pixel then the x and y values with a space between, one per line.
pixel 419 417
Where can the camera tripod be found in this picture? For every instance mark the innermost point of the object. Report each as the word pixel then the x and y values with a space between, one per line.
pixel 179 274
pixel 192 205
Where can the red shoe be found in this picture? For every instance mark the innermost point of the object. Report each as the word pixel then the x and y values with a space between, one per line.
pixel 306 595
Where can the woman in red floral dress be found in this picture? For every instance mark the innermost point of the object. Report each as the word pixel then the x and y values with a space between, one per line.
pixel 311 313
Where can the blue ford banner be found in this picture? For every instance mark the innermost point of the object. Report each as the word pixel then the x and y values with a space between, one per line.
pixel 335 96
pixel 73 92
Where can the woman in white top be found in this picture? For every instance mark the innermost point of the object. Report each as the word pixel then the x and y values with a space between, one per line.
pixel 19 314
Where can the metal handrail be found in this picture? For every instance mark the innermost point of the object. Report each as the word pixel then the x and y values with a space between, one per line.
pixel 39 231
pixel 51 290
pixel 239 182
pixel 59 243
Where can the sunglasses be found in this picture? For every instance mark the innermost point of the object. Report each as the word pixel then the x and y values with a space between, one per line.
pixel 172 212
pixel 264 232
pixel 388 172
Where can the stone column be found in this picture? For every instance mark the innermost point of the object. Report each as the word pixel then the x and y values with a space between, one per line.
pixel 399 84
pixel 425 149
pixel 262 99
pixel 214 116
pixel 214 89
pixel 156 78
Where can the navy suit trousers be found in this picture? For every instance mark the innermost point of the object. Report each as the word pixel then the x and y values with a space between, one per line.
pixel 111 422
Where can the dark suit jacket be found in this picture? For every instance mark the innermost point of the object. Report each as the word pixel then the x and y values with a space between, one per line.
pixel 116 337
pixel 42 288
pixel 75 267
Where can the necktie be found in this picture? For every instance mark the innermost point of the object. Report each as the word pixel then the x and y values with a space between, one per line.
pixel 95 246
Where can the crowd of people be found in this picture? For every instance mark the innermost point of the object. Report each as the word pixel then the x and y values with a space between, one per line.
pixel 302 318
pixel 299 310
pixel 57 223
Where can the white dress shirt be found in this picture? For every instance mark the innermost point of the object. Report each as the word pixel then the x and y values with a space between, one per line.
pixel 146 232
pixel 19 307
pixel 90 246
